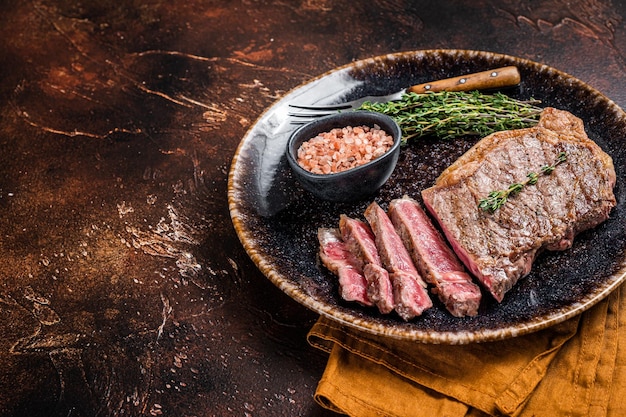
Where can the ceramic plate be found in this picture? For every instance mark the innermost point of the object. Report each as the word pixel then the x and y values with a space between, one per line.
pixel 277 221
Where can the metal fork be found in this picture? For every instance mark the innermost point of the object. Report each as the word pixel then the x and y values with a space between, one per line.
pixel 495 78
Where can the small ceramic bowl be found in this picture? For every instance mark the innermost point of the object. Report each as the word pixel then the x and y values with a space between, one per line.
pixel 353 184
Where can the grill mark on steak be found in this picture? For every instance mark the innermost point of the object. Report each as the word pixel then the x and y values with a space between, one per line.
pixel 360 240
pixel 335 255
pixel 410 296
pixel 499 248
pixel 560 192
pixel 435 261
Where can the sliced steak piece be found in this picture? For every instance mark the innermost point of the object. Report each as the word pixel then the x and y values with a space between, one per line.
pixel 433 258
pixel 410 296
pixel 499 247
pixel 360 240
pixel 339 260
pixel 379 287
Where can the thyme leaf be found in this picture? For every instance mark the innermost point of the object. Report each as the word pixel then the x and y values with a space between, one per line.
pixel 496 199
pixel 452 114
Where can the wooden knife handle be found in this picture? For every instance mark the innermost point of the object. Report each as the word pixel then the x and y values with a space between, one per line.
pixel 495 78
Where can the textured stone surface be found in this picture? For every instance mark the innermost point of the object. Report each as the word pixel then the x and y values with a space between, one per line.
pixel 123 287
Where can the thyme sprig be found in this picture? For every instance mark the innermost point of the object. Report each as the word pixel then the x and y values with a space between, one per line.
pixel 452 114
pixel 496 199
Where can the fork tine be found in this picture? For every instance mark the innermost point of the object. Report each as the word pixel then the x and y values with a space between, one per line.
pixel 308 114
pixel 302 122
pixel 297 119
pixel 342 106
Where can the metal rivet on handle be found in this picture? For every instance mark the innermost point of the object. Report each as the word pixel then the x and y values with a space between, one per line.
pixel 462 80
pixel 494 74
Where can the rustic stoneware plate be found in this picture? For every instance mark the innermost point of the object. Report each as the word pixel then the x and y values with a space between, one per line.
pixel 277 221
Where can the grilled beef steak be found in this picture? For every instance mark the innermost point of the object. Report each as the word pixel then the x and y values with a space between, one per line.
pixel 338 259
pixel 410 295
pixel 433 258
pixel 360 240
pixel 499 247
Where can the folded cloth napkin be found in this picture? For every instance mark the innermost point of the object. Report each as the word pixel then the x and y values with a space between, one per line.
pixel 575 368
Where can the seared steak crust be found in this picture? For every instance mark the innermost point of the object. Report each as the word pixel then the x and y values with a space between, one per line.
pixel 499 247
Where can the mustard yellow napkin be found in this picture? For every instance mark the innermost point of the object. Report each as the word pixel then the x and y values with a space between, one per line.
pixel 576 368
